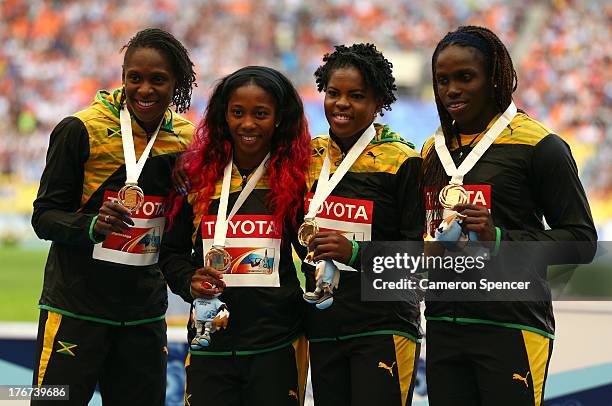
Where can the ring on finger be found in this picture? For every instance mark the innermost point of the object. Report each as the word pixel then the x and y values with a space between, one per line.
pixel 107 218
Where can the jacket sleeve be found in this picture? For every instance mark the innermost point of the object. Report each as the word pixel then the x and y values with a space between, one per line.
pixel 300 250
pixel 175 258
pixel 409 197
pixel 56 214
pixel 562 200
pixel 407 190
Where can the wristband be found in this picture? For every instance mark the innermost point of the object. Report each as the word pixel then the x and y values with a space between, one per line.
pixel 355 252
pixel 91 230
pixel 497 241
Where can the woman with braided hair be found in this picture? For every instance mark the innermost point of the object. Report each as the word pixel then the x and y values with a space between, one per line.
pixel 496 352
pixel 246 169
pixel 362 353
pixel 102 318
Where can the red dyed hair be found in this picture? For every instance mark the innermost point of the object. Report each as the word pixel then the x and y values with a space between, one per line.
pixel 209 153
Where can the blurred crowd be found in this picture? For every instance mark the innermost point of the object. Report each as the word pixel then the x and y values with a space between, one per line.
pixel 566 81
pixel 55 54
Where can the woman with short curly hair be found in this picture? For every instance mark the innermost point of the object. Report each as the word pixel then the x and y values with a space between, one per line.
pixel 362 353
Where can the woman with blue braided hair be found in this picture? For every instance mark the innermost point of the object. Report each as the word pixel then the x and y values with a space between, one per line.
pixel 363 185
pixel 507 167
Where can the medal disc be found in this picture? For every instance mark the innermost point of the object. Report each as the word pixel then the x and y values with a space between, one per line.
pixel 218 259
pixel 307 231
pixel 451 195
pixel 131 196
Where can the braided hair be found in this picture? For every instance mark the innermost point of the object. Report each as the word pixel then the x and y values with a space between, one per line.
pixel 375 68
pixel 502 80
pixel 177 56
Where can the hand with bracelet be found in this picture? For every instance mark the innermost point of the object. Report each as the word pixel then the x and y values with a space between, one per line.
pixel 112 218
pixel 331 245
pixel 477 219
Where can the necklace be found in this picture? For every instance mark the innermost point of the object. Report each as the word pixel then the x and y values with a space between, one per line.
pixel 462 148
pixel 245 173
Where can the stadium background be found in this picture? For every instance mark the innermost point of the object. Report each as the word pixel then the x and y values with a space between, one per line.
pixel 54 56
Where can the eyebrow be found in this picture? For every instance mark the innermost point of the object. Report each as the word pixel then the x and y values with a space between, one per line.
pixel 258 106
pixel 363 90
pixel 456 71
pixel 153 72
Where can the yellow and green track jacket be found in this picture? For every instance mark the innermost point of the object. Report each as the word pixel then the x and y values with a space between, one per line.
pixel 526 175
pixel 378 199
pixel 85 159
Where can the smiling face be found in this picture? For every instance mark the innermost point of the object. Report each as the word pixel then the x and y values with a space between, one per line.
pixel 149 85
pixel 251 118
pixel 350 106
pixel 463 87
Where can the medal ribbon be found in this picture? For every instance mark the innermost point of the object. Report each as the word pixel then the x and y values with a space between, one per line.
pixel 490 136
pixel 132 167
pixel 223 222
pixel 326 185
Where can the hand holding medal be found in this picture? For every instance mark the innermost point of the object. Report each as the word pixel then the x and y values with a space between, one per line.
pixel 207 282
pixel 112 218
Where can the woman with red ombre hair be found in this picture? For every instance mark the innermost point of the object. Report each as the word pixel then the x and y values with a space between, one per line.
pixel 246 168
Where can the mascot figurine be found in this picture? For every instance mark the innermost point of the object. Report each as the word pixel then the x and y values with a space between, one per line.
pixel 209 315
pixel 327 276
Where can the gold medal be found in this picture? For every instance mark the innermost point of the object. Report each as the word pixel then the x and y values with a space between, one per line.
pixel 131 196
pixel 307 231
pixel 451 195
pixel 218 258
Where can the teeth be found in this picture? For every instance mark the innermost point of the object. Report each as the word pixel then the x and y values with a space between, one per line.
pixel 146 103
pixel 248 139
pixel 342 116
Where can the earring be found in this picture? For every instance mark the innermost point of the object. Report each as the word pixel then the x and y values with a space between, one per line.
pixel 276 125
pixel 123 97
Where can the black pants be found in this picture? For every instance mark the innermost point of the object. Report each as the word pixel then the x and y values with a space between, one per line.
pixel 368 370
pixel 128 362
pixel 273 378
pixel 479 364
